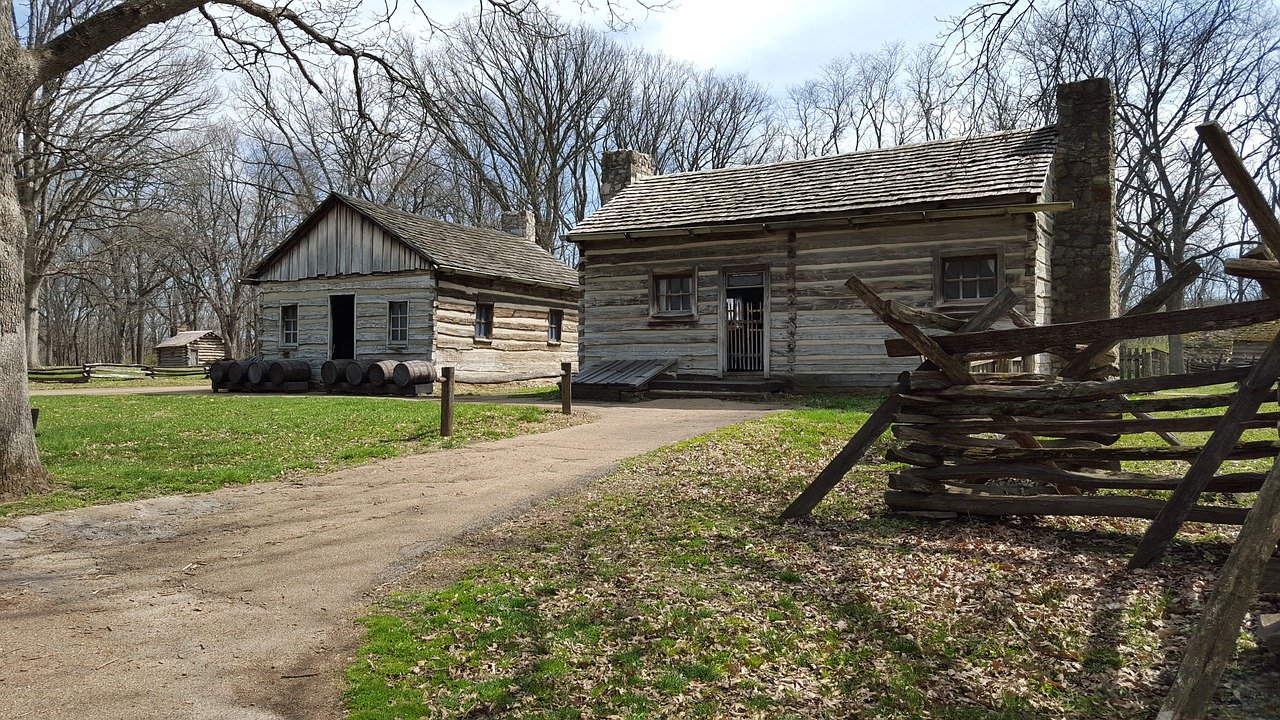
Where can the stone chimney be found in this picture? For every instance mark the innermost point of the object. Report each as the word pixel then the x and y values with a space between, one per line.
pixel 1085 262
pixel 620 168
pixel 520 223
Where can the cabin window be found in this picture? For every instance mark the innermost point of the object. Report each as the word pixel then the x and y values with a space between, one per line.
pixel 968 277
pixel 484 320
pixel 398 322
pixel 288 324
pixel 555 320
pixel 673 294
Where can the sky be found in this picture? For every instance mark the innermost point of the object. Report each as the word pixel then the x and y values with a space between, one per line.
pixel 776 42
pixel 781 42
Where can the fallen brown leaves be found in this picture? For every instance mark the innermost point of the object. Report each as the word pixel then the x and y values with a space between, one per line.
pixel 668 590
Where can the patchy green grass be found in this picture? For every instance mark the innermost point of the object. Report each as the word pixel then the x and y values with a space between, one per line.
pixel 668 590
pixel 109 448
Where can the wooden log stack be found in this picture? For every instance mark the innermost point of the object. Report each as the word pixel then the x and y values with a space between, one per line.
pixel 254 375
pixel 960 454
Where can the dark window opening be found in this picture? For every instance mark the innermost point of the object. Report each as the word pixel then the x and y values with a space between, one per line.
pixel 555 320
pixel 484 320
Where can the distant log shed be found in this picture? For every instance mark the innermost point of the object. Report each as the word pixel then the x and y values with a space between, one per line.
pixel 191 348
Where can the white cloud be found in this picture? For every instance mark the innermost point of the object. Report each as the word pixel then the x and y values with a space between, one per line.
pixel 781 42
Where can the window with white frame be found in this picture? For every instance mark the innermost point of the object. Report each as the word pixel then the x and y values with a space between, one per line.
pixel 673 294
pixel 968 277
pixel 398 322
pixel 288 324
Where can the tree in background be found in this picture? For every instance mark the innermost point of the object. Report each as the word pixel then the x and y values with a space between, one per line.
pixel 1174 64
pixel 88 133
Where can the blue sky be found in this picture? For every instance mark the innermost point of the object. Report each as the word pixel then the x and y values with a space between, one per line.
pixel 782 42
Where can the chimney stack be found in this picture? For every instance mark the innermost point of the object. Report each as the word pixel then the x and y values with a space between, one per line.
pixel 620 168
pixel 1085 262
pixel 520 223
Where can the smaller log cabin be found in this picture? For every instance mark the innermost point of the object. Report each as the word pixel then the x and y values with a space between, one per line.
pixel 190 348
pixel 362 281
pixel 738 274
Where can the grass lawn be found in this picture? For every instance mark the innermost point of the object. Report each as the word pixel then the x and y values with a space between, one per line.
pixel 109 448
pixel 667 590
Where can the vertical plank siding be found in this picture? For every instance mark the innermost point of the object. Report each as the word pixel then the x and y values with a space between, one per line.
pixel 819 334
pixel 343 242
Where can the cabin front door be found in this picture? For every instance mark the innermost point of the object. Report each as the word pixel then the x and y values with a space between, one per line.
pixel 342 327
pixel 744 322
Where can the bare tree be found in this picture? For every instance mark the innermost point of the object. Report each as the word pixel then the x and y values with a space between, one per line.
pixel 374 146
pixel 225 216
pixel 521 106
pixel 726 120
pixel 88 132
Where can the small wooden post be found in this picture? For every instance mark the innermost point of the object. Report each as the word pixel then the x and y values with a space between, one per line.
pixel 566 388
pixel 35 417
pixel 446 402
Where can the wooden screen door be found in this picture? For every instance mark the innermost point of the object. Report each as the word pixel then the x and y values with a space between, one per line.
pixel 744 322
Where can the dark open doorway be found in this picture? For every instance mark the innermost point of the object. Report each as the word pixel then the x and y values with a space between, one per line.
pixel 342 327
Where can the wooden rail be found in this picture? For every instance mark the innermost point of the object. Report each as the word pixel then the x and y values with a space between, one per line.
pixel 110 371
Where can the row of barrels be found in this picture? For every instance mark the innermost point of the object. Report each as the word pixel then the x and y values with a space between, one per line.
pixel 402 374
pixel 257 374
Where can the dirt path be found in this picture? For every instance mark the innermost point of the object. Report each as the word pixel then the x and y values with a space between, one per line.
pixel 237 604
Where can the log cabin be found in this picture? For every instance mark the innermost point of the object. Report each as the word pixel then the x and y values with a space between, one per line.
pixel 736 275
pixel 357 280
pixel 191 348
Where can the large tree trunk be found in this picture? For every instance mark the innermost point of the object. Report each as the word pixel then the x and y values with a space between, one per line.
pixel 20 469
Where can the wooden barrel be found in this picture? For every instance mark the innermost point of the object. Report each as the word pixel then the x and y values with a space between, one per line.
pixel 257 372
pixel 237 370
pixel 334 371
pixel 283 371
pixel 380 372
pixel 414 372
pixel 358 371
pixel 218 371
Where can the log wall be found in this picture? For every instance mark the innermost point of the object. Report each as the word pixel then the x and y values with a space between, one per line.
pixel 372 292
pixel 819 334
pixel 520 348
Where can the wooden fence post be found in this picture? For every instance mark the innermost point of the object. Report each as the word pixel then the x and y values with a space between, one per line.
pixel 446 402
pixel 566 388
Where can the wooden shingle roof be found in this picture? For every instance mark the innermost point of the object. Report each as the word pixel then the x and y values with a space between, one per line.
pixel 186 337
pixel 452 247
pixel 1011 163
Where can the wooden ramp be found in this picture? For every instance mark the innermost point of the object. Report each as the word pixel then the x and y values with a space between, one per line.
pixel 612 379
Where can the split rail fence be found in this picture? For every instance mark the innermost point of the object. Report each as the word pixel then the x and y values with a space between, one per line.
pixel 1043 444
pixel 110 371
